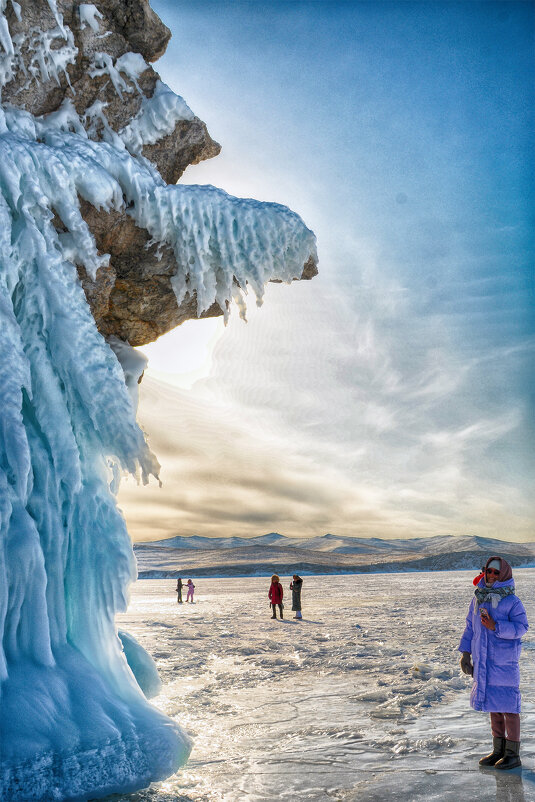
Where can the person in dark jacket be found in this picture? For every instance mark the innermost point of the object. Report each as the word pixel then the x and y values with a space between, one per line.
pixel 491 647
pixel 295 586
pixel 179 586
pixel 275 594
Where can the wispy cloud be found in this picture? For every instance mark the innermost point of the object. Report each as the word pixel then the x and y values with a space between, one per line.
pixel 305 455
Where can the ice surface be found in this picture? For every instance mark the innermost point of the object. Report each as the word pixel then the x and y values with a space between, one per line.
pixel 141 664
pixel 65 558
pixel 75 723
pixel 362 700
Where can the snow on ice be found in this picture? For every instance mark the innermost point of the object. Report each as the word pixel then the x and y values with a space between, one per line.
pixel 75 724
pixel 362 701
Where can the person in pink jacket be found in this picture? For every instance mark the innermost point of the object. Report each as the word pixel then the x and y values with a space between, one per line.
pixel 191 589
pixel 275 594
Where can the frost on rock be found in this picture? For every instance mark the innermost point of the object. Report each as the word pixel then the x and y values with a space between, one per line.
pixel 129 64
pixel 89 16
pixel 49 52
pixel 75 724
pixel 156 118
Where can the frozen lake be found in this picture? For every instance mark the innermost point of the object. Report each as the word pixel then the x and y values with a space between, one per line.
pixel 362 700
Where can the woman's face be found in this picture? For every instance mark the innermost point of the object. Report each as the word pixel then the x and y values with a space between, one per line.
pixel 491 575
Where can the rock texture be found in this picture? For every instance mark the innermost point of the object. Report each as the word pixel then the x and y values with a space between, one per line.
pixel 124 26
pixel 132 298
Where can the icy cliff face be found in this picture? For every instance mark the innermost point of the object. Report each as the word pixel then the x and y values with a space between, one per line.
pixel 75 724
pixel 62 57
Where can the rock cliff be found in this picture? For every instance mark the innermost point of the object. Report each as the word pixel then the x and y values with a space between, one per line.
pixel 96 59
pixel 89 140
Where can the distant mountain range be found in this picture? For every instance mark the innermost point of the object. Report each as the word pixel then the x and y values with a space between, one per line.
pixel 328 554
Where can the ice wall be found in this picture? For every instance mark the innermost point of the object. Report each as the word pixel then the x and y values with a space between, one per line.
pixel 74 722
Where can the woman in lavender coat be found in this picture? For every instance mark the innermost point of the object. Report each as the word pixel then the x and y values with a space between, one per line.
pixel 491 647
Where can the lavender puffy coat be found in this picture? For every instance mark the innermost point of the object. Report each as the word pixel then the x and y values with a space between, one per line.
pixel 495 653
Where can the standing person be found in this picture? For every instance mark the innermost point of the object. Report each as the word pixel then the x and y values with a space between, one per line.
pixel 495 624
pixel 179 586
pixel 275 594
pixel 191 591
pixel 295 586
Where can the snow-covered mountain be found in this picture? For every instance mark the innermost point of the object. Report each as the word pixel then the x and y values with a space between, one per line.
pixel 198 542
pixel 328 554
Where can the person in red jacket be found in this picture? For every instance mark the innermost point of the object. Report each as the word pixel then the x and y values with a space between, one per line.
pixel 275 595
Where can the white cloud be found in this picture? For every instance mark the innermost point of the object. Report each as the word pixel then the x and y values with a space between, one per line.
pixel 295 430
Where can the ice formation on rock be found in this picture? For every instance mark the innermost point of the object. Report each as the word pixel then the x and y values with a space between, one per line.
pixel 75 724
pixel 142 665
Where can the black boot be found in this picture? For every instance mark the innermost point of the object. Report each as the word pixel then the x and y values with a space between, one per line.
pixel 498 751
pixel 511 759
pixel 274 611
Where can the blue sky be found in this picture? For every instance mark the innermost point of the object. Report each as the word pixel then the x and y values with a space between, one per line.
pixel 394 394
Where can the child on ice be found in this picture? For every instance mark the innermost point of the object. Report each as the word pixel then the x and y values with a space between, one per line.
pixel 275 594
pixel 191 589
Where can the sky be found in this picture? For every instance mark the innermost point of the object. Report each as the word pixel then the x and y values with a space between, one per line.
pixel 393 395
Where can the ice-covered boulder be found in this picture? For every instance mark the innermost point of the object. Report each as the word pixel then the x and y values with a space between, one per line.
pixel 96 60
pixel 81 110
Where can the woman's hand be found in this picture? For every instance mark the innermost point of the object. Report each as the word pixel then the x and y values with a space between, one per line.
pixel 486 619
pixel 466 664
